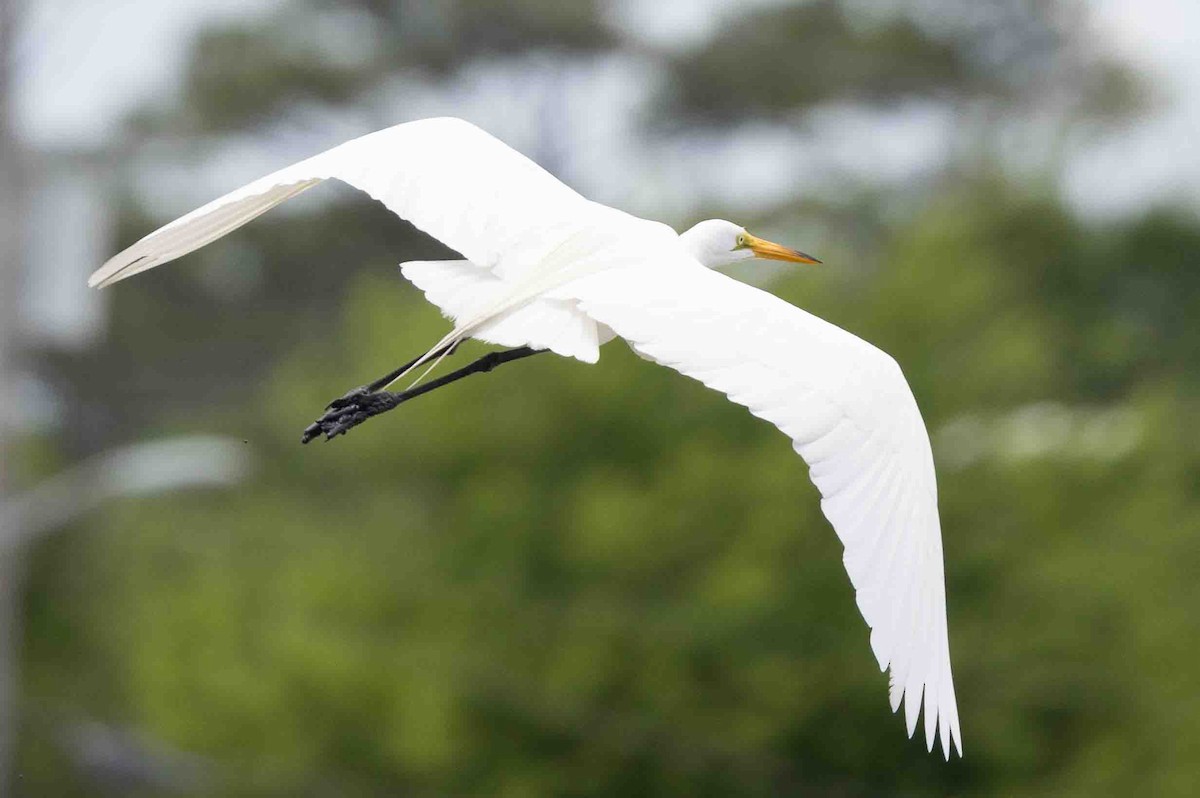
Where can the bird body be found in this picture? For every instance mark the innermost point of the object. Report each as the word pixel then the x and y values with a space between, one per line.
pixel 544 268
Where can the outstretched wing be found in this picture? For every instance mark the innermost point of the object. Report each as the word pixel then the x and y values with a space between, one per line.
pixel 449 178
pixel 851 416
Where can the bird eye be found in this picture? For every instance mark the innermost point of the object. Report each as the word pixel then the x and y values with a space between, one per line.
pixel 741 241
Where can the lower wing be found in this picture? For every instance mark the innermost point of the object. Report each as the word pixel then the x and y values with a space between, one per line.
pixel 850 414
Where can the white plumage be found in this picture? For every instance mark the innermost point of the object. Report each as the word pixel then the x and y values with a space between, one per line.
pixel 465 291
pixel 850 415
pixel 547 268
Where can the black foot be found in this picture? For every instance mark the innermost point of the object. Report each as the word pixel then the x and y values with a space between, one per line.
pixel 347 412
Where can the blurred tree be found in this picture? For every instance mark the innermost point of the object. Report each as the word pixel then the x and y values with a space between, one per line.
pixel 785 58
pixel 545 582
pixel 314 51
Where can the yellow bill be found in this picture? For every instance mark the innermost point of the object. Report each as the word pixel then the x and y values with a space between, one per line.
pixel 772 251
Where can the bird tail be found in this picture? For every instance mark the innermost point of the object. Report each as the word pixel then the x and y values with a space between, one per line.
pixel 461 332
pixel 485 307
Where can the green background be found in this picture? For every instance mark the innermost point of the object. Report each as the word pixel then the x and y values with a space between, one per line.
pixel 564 579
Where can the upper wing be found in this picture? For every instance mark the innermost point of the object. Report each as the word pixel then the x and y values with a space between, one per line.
pixel 446 176
pixel 851 416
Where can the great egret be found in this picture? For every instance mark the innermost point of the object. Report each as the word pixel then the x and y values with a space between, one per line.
pixel 545 269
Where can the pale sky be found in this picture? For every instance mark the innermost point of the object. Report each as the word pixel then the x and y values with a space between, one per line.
pixel 1155 158
pixel 83 65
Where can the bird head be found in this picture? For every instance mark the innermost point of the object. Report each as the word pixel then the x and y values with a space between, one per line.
pixel 717 243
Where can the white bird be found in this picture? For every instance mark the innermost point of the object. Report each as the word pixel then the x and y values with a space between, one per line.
pixel 544 268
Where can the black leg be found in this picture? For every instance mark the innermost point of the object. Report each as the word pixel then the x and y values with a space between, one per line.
pixel 387 379
pixel 359 394
pixel 362 403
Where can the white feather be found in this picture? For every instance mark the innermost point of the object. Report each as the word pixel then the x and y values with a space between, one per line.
pixel 851 415
pixel 465 291
pixel 547 268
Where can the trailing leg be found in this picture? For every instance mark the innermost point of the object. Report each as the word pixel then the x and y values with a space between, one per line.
pixel 357 406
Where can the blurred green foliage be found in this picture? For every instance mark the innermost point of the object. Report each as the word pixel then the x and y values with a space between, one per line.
pixel 606 580
pixel 818 43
